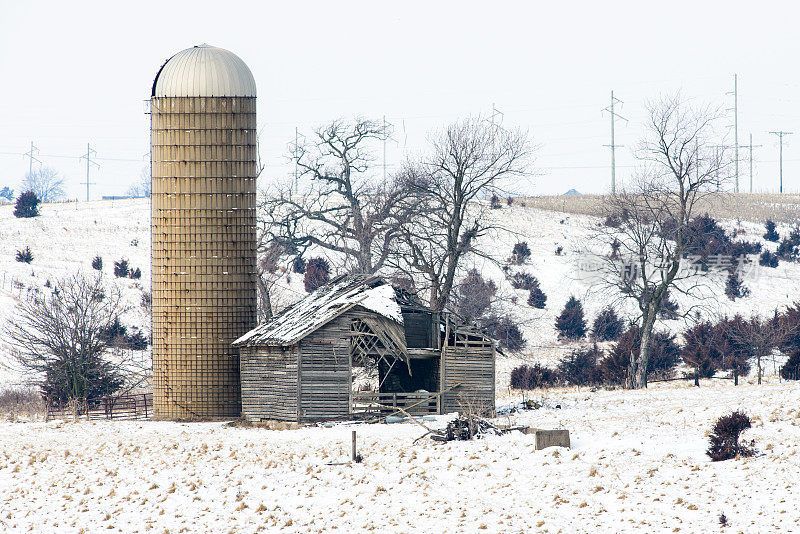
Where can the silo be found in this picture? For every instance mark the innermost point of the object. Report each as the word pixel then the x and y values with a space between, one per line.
pixel 204 167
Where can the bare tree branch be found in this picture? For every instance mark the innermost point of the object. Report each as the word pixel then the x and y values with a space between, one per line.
pixel 468 161
pixel 347 211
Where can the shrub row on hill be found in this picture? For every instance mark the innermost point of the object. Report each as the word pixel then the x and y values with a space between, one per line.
pixel 608 326
pixel 593 366
pixel 730 344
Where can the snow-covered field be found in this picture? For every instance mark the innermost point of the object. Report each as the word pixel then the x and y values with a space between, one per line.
pixel 637 463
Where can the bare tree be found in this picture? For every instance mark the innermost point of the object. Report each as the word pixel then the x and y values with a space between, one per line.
pixel 346 211
pixel 756 338
pixel 141 188
pixel 46 183
pixel 654 214
pixel 60 341
pixel 469 162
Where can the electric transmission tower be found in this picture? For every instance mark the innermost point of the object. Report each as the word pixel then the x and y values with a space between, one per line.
pixel 295 151
pixel 614 116
pixel 780 135
pixel 496 114
pixel 32 157
pixel 386 126
pixel 89 163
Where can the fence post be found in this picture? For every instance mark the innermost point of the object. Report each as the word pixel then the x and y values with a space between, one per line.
pixel 354 453
pixel 735 377
pixel 144 399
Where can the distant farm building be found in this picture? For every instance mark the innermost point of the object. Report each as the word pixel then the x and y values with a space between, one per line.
pixel 359 347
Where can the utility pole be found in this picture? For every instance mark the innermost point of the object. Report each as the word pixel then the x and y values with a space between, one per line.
pixel 735 94
pixel 780 135
pixel 751 146
pixel 33 158
pixel 614 116
pixel 89 163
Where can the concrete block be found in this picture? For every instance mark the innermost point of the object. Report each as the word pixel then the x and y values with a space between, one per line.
pixel 551 438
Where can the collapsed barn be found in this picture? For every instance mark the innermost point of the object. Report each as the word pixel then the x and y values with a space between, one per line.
pixel 360 347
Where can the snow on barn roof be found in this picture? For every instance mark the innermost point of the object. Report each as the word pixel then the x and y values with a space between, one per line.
pixel 324 305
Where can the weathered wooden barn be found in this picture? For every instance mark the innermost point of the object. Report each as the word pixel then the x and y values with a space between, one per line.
pixel 359 347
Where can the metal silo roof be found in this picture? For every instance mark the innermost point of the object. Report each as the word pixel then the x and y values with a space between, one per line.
pixel 204 71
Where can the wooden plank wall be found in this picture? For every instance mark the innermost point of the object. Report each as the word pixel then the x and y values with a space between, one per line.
pixel 269 383
pixel 474 368
pixel 325 372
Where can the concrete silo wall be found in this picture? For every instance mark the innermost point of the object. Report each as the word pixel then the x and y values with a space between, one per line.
pixel 204 165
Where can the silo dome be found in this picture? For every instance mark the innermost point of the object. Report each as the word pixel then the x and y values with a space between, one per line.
pixel 204 71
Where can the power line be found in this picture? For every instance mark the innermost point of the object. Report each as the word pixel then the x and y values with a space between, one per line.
pixel 614 115
pixel 780 135
pixel 89 163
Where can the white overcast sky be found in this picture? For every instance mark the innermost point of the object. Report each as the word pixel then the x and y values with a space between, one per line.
pixel 73 73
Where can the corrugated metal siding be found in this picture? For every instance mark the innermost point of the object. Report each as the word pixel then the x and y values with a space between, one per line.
pixel 269 383
pixel 205 71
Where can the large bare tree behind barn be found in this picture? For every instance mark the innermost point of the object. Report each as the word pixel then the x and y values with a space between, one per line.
pixel 468 162
pixel 654 213
pixel 347 210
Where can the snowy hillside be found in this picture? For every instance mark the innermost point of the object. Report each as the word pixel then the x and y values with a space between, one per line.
pixel 66 237
pixel 565 274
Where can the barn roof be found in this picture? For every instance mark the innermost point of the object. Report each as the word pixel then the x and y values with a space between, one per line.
pixel 324 305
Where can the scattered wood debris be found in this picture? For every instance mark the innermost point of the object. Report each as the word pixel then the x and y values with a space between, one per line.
pixel 466 428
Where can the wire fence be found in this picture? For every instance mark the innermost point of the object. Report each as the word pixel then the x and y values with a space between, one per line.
pixel 15 286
